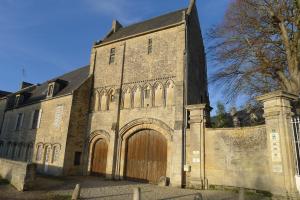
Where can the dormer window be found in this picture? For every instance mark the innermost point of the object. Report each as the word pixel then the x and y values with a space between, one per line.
pixel 55 86
pixel 17 100
pixel 50 90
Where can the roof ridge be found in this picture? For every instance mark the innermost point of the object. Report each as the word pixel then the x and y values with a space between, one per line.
pixel 153 18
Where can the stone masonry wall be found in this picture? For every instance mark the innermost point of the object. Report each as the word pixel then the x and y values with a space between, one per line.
pixel 51 136
pixel 77 128
pixel 20 174
pixel 237 157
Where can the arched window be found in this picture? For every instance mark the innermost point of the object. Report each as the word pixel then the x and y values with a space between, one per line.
pixel 103 100
pixel 55 154
pixel 8 149
pixel 170 93
pixel 137 100
pixel 127 98
pixel 1 148
pixel 47 154
pixel 39 152
pixel 110 99
pixel 159 95
pixel 19 152
pixel 147 96
pixel 13 151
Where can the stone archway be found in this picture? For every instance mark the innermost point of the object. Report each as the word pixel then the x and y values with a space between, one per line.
pixel 135 131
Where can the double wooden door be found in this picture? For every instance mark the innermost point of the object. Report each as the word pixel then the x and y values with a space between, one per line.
pixel 99 157
pixel 146 156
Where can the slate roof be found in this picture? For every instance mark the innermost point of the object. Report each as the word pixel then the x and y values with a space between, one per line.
pixel 148 25
pixel 38 92
pixel 4 93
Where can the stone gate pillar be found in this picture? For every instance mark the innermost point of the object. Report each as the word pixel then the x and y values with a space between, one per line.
pixel 277 113
pixel 196 142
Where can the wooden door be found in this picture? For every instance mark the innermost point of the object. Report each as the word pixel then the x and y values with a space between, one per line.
pixel 99 157
pixel 146 156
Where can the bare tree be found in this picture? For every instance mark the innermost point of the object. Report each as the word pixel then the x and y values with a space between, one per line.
pixel 257 47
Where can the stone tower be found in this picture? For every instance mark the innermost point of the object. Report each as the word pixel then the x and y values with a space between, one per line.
pixel 144 76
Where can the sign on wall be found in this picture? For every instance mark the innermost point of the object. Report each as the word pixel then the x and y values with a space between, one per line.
pixel 276 152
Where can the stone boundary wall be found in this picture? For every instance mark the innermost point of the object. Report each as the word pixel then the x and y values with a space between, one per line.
pixel 20 174
pixel 237 157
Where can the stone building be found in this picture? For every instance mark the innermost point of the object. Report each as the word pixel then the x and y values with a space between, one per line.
pixel 37 125
pixel 140 111
pixel 144 76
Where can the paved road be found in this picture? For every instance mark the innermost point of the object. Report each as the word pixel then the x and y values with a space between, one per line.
pixel 97 188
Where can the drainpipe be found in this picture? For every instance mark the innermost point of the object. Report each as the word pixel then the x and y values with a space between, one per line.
pixel 185 72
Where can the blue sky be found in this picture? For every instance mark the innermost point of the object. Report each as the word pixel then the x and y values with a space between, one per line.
pixel 51 37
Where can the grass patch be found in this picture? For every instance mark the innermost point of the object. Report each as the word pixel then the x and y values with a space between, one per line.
pixel 59 197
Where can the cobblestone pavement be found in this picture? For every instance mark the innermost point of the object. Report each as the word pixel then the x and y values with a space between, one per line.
pixel 97 188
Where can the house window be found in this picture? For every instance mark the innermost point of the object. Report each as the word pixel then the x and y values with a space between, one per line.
pixel 112 55
pixel 150 46
pixel 55 154
pixel 36 119
pixel 50 90
pixel 19 121
pixel 58 116
pixel 17 101
pixel 77 158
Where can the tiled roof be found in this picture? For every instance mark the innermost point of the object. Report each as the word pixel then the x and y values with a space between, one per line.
pixel 38 92
pixel 148 25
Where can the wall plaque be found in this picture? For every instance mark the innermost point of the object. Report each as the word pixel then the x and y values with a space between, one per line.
pixel 275 147
pixel 277 168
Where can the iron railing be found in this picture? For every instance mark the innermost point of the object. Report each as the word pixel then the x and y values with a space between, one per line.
pixel 296 142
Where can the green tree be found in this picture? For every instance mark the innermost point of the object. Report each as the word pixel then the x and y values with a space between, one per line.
pixel 222 118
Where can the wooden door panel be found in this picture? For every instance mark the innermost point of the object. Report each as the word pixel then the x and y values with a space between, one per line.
pixel 99 158
pixel 146 156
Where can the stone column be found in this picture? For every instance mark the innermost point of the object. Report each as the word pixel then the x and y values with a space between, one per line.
pixel 278 113
pixel 197 145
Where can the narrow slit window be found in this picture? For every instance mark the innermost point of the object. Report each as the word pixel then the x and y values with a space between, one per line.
pixel 112 55
pixel 149 46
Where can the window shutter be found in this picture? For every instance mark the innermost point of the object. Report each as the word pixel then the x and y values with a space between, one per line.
pixel 21 122
pixel 16 122
pixel 39 119
pixel 31 120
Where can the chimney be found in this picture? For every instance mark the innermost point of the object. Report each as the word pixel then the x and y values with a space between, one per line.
pixel 25 85
pixel 191 6
pixel 116 26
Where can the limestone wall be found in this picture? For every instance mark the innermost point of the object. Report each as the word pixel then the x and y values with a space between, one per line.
pixel 77 129
pixel 52 135
pixel 20 174
pixel 237 157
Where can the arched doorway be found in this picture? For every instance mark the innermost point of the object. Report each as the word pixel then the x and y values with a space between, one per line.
pixel 146 156
pixel 99 157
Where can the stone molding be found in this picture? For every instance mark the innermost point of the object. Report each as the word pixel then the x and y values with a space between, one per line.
pixel 277 94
